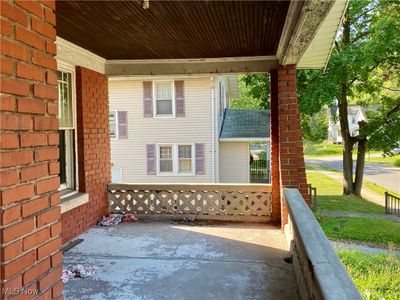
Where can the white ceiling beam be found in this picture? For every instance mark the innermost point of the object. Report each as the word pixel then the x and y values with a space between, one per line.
pixel 223 65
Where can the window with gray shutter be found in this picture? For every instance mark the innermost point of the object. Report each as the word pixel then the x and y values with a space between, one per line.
pixel 151 159
pixel 179 98
pixel 200 159
pixel 122 124
pixel 147 99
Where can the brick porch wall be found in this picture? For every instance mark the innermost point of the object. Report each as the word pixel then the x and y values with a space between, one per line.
pixel 289 169
pixel 94 156
pixel 30 215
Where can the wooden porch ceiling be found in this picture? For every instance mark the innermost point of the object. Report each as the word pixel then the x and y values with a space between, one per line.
pixel 173 29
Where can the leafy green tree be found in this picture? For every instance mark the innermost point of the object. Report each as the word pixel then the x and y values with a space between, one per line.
pixel 365 57
pixel 315 127
pixel 253 92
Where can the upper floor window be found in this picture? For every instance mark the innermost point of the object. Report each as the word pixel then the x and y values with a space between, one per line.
pixel 164 98
pixel 67 131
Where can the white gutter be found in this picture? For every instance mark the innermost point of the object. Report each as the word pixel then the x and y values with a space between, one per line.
pixel 212 130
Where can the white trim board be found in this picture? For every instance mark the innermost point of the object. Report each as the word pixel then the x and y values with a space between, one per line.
pixel 78 56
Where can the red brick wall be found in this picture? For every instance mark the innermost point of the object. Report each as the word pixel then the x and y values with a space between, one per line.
pixel 94 158
pixel 286 132
pixel 274 127
pixel 30 215
pixel 293 172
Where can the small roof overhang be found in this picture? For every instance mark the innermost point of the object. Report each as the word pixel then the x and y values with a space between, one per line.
pixel 318 52
pixel 241 125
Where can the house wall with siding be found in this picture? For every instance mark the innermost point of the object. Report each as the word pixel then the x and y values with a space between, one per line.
pixel 195 127
pixel 234 159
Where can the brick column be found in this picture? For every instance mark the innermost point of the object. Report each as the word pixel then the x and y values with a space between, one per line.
pixel 29 216
pixel 94 154
pixel 291 168
pixel 274 127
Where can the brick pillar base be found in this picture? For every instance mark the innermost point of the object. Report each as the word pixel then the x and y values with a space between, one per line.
pixel 286 132
pixel 30 216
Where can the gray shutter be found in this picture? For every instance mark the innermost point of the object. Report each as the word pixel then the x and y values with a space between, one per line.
pixel 179 98
pixel 200 159
pixel 122 125
pixel 151 159
pixel 147 99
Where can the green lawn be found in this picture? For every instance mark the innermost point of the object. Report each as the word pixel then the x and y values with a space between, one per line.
pixel 368 230
pixel 377 276
pixel 312 149
pixel 322 149
pixel 378 189
pixel 330 196
pixel 392 161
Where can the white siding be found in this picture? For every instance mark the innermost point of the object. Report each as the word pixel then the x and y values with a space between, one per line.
pixel 234 159
pixel 195 127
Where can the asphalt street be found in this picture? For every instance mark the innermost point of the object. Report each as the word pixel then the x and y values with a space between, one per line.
pixel 380 174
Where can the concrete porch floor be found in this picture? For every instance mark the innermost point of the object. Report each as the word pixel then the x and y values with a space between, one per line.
pixel 160 260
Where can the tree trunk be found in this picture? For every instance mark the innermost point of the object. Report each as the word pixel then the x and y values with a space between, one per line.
pixel 347 145
pixel 361 150
pixel 347 140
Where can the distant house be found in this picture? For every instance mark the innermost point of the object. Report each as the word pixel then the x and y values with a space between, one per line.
pixel 356 113
pixel 180 129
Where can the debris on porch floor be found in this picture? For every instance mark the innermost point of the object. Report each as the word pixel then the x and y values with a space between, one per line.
pixel 115 219
pixel 160 260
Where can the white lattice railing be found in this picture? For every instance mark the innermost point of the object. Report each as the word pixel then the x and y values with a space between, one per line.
pixel 191 199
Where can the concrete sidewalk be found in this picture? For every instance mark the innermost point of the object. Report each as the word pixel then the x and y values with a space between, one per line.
pixel 198 261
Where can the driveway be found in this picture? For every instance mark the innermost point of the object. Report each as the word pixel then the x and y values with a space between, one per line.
pixel 380 174
pixel 175 261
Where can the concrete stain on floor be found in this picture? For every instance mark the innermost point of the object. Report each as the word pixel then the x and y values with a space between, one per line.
pixel 165 261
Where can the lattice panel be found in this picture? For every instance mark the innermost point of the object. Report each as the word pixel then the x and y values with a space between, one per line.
pixel 224 200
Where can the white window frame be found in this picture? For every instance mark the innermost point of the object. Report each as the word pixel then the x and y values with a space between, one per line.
pixel 155 115
pixel 115 112
pixel 159 160
pixel 68 68
pixel 175 160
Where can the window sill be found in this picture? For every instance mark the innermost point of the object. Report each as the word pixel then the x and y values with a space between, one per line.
pixel 175 175
pixel 73 201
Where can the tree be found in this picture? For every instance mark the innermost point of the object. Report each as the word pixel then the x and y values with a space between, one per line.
pixel 367 46
pixel 315 127
pixel 253 92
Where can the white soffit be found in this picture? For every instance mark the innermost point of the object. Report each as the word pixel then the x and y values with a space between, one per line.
pixel 318 52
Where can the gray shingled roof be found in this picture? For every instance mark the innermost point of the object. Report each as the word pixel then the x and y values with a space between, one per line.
pixel 245 123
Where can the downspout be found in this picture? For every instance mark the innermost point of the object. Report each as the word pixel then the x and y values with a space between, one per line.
pixel 212 130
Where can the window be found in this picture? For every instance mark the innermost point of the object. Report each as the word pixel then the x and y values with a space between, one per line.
pixel 175 159
pixel 113 124
pixel 66 132
pixel 185 158
pixel 164 98
pixel 166 159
